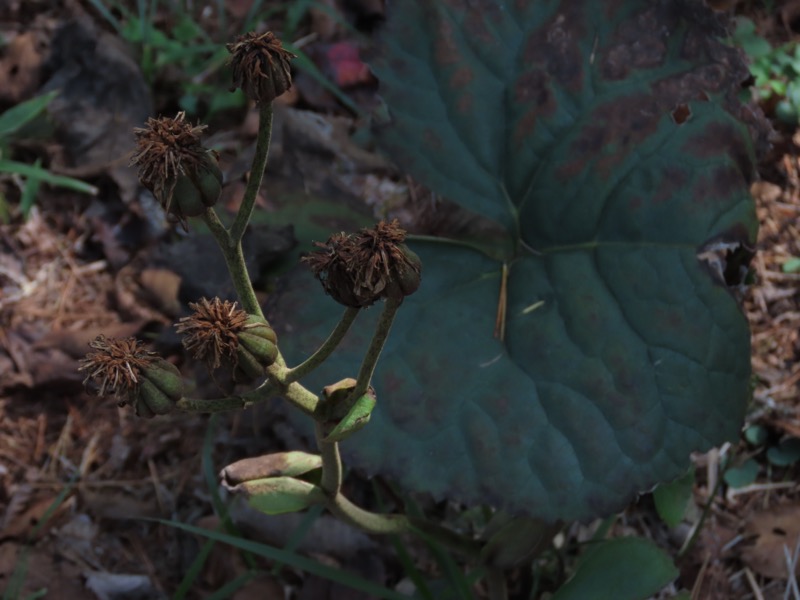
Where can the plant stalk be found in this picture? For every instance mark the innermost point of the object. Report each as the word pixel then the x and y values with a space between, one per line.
pixel 331 482
pixel 376 346
pixel 295 393
pixel 256 174
pixel 234 259
pixel 325 350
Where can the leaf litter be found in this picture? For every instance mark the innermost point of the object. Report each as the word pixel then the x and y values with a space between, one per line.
pixel 61 284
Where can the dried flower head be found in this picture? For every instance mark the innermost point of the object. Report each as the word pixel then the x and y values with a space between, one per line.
pixel 359 269
pixel 137 377
pixel 117 365
pixel 210 332
pixel 260 66
pixel 173 164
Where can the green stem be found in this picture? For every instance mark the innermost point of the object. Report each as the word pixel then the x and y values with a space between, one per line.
pixel 325 350
pixel 374 523
pixel 376 346
pixel 256 174
pixel 295 393
pixel 331 481
pixel 384 523
pixel 302 398
pixel 234 259
pixel 687 545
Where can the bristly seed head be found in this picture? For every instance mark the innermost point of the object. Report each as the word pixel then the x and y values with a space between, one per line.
pixel 359 269
pixel 210 333
pixel 117 365
pixel 260 66
pixel 170 151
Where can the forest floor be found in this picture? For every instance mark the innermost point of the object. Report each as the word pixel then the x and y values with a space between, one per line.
pixel 82 480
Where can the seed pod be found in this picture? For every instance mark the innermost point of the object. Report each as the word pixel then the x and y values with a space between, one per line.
pixel 173 164
pixel 247 368
pixel 134 375
pixel 259 339
pixel 261 66
pixel 197 189
pixel 359 269
pixel 406 274
pixel 160 386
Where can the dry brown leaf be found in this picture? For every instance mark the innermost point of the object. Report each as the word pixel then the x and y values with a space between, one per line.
pixel 22 522
pixel 20 67
pixel 774 529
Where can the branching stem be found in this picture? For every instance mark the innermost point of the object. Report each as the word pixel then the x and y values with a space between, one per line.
pixel 325 350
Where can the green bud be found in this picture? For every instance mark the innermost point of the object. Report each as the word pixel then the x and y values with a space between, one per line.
pixel 256 348
pixel 248 368
pixel 160 387
pixel 199 188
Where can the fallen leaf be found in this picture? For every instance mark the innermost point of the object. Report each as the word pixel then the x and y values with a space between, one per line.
pixel 20 67
pixel 773 530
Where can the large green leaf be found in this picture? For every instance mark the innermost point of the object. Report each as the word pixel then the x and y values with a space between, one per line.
pixel 605 139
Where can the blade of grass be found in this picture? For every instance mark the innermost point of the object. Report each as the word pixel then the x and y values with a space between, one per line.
pixel 295 13
pixel 18 116
pixel 100 7
pixel 222 17
pixel 299 533
pixel 29 193
pixel 293 560
pixel 193 572
pixel 249 19
pixel 11 166
pixel 230 588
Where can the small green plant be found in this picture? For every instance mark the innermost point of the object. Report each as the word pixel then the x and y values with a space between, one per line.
pixel 776 71
pixel 14 125
pixel 564 352
pixel 188 49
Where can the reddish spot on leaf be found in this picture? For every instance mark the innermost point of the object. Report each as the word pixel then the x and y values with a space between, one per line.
pixel 554 46
pixel 706 143
pixel 681 114
pixel 638 43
